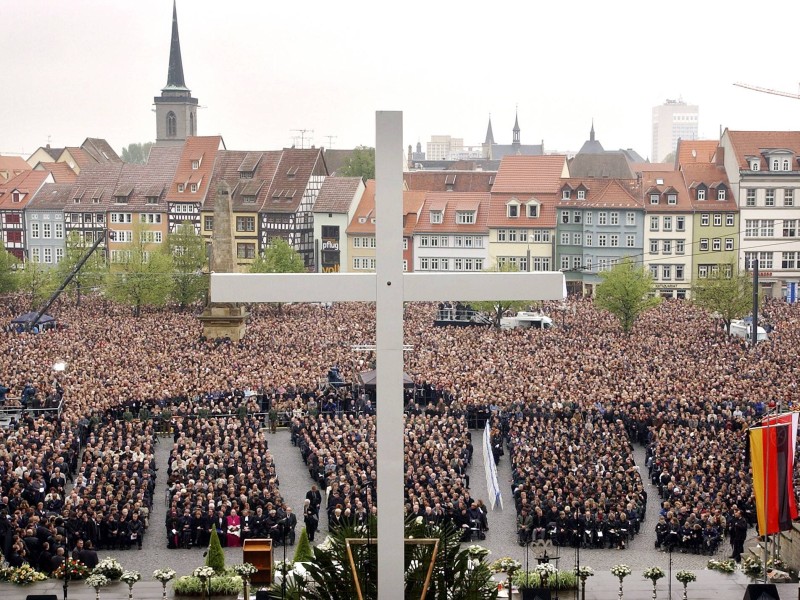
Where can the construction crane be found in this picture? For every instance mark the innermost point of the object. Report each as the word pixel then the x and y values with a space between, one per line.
pixel 756 88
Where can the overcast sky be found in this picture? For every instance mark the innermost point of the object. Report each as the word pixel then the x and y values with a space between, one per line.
pixel 262 69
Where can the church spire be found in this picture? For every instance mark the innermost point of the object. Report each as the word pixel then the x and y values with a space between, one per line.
pixel 175 72
pixel 515 141
pixel 489 134
pixel 591 133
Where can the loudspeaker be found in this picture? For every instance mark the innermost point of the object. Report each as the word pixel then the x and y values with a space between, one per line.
pixel 41 597
pixel 761 591
pixel 262 595
pixel 535 593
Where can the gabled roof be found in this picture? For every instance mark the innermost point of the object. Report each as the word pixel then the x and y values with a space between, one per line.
pixel 603 193
pixel 695 151
pixel 141 183
pixel 498 211
pixel 530 174
pixel 61 171
pixel 412 205
pixel 365 211
pixel 753 143
pixel 11 166
pixel 93 180
pixel 665 183
pixel 205 149
pixel 52 196
pixel 100 150
pixel 256 188
pixel 452 203
pixel 336 159
pixel 296 167
pixel 460 181
pixel 337 194
pixel 710 175
pixel 613 165
pixel 27 184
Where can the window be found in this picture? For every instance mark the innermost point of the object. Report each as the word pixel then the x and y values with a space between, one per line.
pixel 785 164
pixel 172 124
pixel 654 271
pixel 750 197
pixel 436 216
pixel 533 210
pixel 602 218
pixel 614 238
pixel 788 197
pixel 405 243
pixel 716 244
pixel 721 194
pixel 667 246
pixel 576 239
pixel 513 211
pixel 576 216
pixel 680 246
pixel 35 231
pixel 512 235
pixel 790 228
pixel 195 164
pixel 679 272
pixel 705 219
pixel 539 263
pixel 245 224
pixel 48 255
pixel 565 216
pixel 208 223
pixel 653 198
pixel 501 235
pixel 246 250
pixel 764 260
pixel 523 237
pixel 775 164
pixel 653 223
pixel 589 218
pixel 653 246
pixel 704 244
pixel 565 194
pixel 630 218
pixel 151 237
pixel 672 198
pixel 666 272
pixel 588 239
pixel 193 189
pixel 465 217
pixel 541 235
pixel 769 197
pixel 702 271
pixel 729 220
pixel 630 240
pixel 564 262
pixel 701 193
pixel 523 264
pixel 755 164
pixel 602 240
pixel 181 187
pixel 59 229
pixel 717 220
pixel 615 218
pixel 564 238
pixel 789 260
pixel 667 223
pixel 47 230
pixel 680 223
pixel 581 194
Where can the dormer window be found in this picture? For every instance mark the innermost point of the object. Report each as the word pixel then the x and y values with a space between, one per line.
pixel 721 194
pixel 581 194
pixel 193 188
pixel 16 196
pixel 121 199
pixel 701 193
pixel 195 164
pixel 465 217
pixel 436 216
pixel 565 194
pixel 246 174
pixel 653 198
pixel 672 199
pixel 291 173
pixel 512 210
pixel 786 164
pixel 533 209
pixel 152 199
pixel 776 164
pixel 181 188
pixel 249 199
pixel 362 220
pixel 754 164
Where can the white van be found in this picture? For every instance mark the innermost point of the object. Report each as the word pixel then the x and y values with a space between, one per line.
pixel 526 320
pixel 743 329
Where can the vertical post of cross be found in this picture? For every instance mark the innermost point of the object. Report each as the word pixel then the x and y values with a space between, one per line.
pixel 389 343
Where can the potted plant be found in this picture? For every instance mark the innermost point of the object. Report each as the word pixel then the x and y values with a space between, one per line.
pixel 130 577
pixel 621 572
pixel 685 577
pixel 204 574
pixel 654 574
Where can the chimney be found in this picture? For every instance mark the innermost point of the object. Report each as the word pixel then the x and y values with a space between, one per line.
pixel 719 156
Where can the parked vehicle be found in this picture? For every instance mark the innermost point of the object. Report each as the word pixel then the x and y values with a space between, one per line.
pixel 744 329
pixel 526 320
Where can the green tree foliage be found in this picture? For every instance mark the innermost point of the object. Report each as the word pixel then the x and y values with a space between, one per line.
pixel 36 282
pixel 188 250
pixel 497 308
pixel 136 153
pixel 360 164
pixel 91 274
pixel 8 266
pixel 729 297
pixel 279 257
pixel 215 557
pixel 303 552
pixel 624 292
pixel 142 277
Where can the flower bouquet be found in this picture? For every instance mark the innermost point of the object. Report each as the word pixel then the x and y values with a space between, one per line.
pixel 164 576
pixel 724 566
pixel 685 577
pixel 24 575
pixel 130 577
pixel 654 574
pixel 97 581
pixel 621 572
pixel 751 566
pixel 74 569
pixel 506 565
pixel 245 571
pixel 476 551
pixel 109 567
pixel 583 573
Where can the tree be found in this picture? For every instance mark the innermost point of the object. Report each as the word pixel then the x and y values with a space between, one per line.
pixel 136 153
pixel 360 164
pixel 8 267
pixel 215 557
pixel 90 275
pixel 279 257
pixel 188 251
pixel 497 308
pixel 36 282
pixel 303 552
pixel 624 292
pixel 139 276
pixel 729 297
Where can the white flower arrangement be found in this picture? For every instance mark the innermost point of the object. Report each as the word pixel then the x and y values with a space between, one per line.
pixel 477 551
pixel 724 566
pixel 419 520
pixel 109 567
pixel 130 577
pixel 506 565
pixel 685 577
pixel 204 572
pixel 654 573
pixel 545 570
pixel 584 572
pixel 164 575
pixel 326 545
pixel 620 571
pixel 244 570
pixel 97 581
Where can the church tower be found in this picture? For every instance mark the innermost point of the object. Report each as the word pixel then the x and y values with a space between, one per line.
pixel 176 110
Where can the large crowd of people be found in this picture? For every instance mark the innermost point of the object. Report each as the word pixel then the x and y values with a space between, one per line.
pixel 565 406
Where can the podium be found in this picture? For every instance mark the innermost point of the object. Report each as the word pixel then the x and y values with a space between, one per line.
pixel 258 552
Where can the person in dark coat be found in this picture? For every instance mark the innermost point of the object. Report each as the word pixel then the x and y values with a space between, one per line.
pixel 311 520
pixel 738 535
pixel 136 530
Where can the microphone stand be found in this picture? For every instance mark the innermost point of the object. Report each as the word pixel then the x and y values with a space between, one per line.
pixel 66 560
pixel 285 573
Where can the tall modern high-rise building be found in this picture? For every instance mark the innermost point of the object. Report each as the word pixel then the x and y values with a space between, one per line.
pixel 672 121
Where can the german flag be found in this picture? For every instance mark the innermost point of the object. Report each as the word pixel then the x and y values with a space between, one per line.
pixel 772 459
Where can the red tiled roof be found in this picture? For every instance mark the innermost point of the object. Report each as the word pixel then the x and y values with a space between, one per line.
pixel 96 181
pixel 204 148
pixel 291 179
pixel 695 151
pixel 52 196
pixel 498 211
pixel 412 204
pixel 337 194
pixel 530 174
pixel 11 166
pixel 604 193
pixel 227 169
pixel 140 183
pixel 752 143
pixel 27 183
pixel 365 210
pixel 453 203
pixel 710 175
pixel 61 171
pixel 665 182
pixel 461 181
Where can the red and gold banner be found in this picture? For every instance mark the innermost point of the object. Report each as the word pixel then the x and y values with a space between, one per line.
pixel 772 459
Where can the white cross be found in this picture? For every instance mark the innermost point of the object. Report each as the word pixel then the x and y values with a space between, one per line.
pixel 388 287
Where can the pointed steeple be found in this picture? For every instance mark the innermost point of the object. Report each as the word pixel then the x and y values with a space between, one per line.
pixel 515 141
pixel 591 133
pixel 489 134
pixel 175 72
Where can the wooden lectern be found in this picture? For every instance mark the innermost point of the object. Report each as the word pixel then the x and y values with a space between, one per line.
pixel 258 552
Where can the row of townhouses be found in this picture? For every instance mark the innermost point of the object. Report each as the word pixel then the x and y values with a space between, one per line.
pixel 721 205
